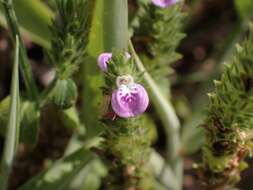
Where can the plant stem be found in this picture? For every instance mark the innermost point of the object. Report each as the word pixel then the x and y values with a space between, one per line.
pixel 115 27
pixel 168 117
pixel 25 67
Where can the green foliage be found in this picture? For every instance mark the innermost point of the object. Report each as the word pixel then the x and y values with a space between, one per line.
pixel 12 131
pixel 162 171
pixel 126 147
pixel 70 31
pixel 69 36
pixel 229 120
pixel 192 137
pixel 11 19
pixel 30 122
pixel 34 18
pixel 158 32
pixel 64 93
pixel 71 119
pixel 62 173
pixel 4 110
pixel 244 8
pixel 90 177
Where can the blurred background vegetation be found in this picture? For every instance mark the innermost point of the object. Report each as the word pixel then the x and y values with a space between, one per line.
pixel 212 27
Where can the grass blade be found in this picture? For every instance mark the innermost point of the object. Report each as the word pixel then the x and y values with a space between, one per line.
pixel 13 124
pixel 26 69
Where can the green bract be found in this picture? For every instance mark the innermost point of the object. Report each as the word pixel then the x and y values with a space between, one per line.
pixel 64 93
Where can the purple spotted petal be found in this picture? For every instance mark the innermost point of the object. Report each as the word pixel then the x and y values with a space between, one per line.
pixel 129 101
pixel 103 60
pixel 164 3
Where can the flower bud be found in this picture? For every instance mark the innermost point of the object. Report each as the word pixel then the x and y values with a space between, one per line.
pixel 64 93
pixel 104 58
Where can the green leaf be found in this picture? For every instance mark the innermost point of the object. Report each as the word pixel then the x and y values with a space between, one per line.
pixel 11 19
pixel 34 18
pixel 30 121
pixel 90 177
pixel 62 173
pixel 162 171
pixel 244 8
pixel 192 136
pixel 4 114
pixel 12 131
pixel 71 119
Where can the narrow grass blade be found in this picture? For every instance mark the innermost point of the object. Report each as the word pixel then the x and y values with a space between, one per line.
pixel 26 69
pixel 12 131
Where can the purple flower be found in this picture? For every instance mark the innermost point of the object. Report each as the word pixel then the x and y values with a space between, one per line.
pixel 130 99
pixel 164 3
pixel 104 58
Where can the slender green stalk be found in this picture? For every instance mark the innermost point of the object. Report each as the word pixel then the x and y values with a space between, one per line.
pixel 12 131
pixel 168 117
pixel 25 67
pixel 115 16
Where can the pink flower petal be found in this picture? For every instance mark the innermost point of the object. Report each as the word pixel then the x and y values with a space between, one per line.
pixel 129 102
